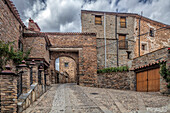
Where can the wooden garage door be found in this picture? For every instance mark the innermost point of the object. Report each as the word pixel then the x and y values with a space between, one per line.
pixel 142 81
pixel 148 80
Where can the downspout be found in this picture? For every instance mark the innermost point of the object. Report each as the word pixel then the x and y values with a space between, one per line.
pixel 139 38
pixel 105 38
pixel 117 42
pixel 139 33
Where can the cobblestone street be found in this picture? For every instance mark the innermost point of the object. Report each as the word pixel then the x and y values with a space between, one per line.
pixel 70 98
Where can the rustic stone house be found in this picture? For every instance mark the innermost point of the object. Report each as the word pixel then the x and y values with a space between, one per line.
pixel 111 27
pixel 118 38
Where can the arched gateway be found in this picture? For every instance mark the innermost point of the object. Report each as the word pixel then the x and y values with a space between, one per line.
pixel 81 47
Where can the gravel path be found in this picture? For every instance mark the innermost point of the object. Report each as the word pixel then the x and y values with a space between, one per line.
pixel 70 98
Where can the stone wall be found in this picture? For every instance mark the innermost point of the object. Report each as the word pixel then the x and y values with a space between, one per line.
pixel 79 46
pixel 38 47
pixel 116 80
pixel 160 39
pixel 88 25
pixel 150 58
pixel 71 69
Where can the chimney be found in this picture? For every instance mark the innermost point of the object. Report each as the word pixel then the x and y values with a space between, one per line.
pixel 33 26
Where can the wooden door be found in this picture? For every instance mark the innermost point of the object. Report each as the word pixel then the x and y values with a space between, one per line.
pixel 142 81
pixel 148 80
pixel 153 80
pixel 122 43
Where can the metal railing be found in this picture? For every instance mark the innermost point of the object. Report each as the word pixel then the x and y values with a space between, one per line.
pixel 123 44
pixel 19 85
pixel 31 77
pixel 39 77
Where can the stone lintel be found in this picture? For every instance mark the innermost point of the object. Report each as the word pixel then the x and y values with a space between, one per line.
pixel 65 49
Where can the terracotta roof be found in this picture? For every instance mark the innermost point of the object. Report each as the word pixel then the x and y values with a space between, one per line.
pixel 69 33
pixel 150 64
pixel 129 14
pixel 14 11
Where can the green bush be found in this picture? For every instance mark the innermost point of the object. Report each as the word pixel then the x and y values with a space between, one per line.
pixel 165 73
pixel 7 53
pixel 113 69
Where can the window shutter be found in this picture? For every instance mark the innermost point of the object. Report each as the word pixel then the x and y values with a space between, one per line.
pixel 122 41
pixel 98 20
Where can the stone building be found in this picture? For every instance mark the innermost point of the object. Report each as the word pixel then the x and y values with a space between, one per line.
pixel 68 65
pixel 121 31
pixel 21 84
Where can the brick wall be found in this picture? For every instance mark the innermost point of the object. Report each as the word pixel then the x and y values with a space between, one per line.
pixel 10 27
pixel 38 45
pixel 8 90
pixel 83 51
pixel 88 25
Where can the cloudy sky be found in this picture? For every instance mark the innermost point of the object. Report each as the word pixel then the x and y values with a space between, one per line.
pixel 64 15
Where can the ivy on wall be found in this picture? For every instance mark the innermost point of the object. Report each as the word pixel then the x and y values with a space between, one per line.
pixel 7 53
pixel 113 69
pixel 165 73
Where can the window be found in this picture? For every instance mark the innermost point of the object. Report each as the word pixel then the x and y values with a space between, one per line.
pixel 66 64
pixel 98 20
pixel 122 42
pixel 151 33
pixel 123 22
pixel 128 54
pixel 144 46
pixel 20 45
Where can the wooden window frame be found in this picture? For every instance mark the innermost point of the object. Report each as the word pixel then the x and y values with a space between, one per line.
pixel 123 42
pixel 123 22
pixel 100 22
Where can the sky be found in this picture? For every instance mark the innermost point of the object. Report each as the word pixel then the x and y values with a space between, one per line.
pixel 65 15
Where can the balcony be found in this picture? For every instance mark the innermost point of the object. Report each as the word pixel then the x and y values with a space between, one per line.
pixel 123 44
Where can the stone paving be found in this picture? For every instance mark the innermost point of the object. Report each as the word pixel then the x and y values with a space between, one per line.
pixel 70 98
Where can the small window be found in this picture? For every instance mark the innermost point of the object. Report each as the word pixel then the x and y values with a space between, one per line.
pixel 20 28
pixel 123 22
pixel 151 33
pixel 128 54
pixel 144 46
pixel 66 64
pixel 20 45
pixel 98 20
pixel 122 42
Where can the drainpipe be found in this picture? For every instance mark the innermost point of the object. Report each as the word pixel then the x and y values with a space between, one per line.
pixel 105 38
pixel 139 33
pixel 139 38
pixel 117 42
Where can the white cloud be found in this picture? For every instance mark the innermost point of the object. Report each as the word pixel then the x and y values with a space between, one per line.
pixel 64 15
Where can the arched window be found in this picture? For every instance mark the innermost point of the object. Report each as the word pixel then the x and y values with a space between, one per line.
pixel 57 64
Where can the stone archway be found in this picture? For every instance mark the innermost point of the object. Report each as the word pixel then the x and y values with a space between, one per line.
pixel 66 66
pixel 72 55
pixel 81 47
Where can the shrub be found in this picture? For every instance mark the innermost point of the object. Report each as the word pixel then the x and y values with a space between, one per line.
pixel 113 69
pixel 7 53
pixel 165 73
